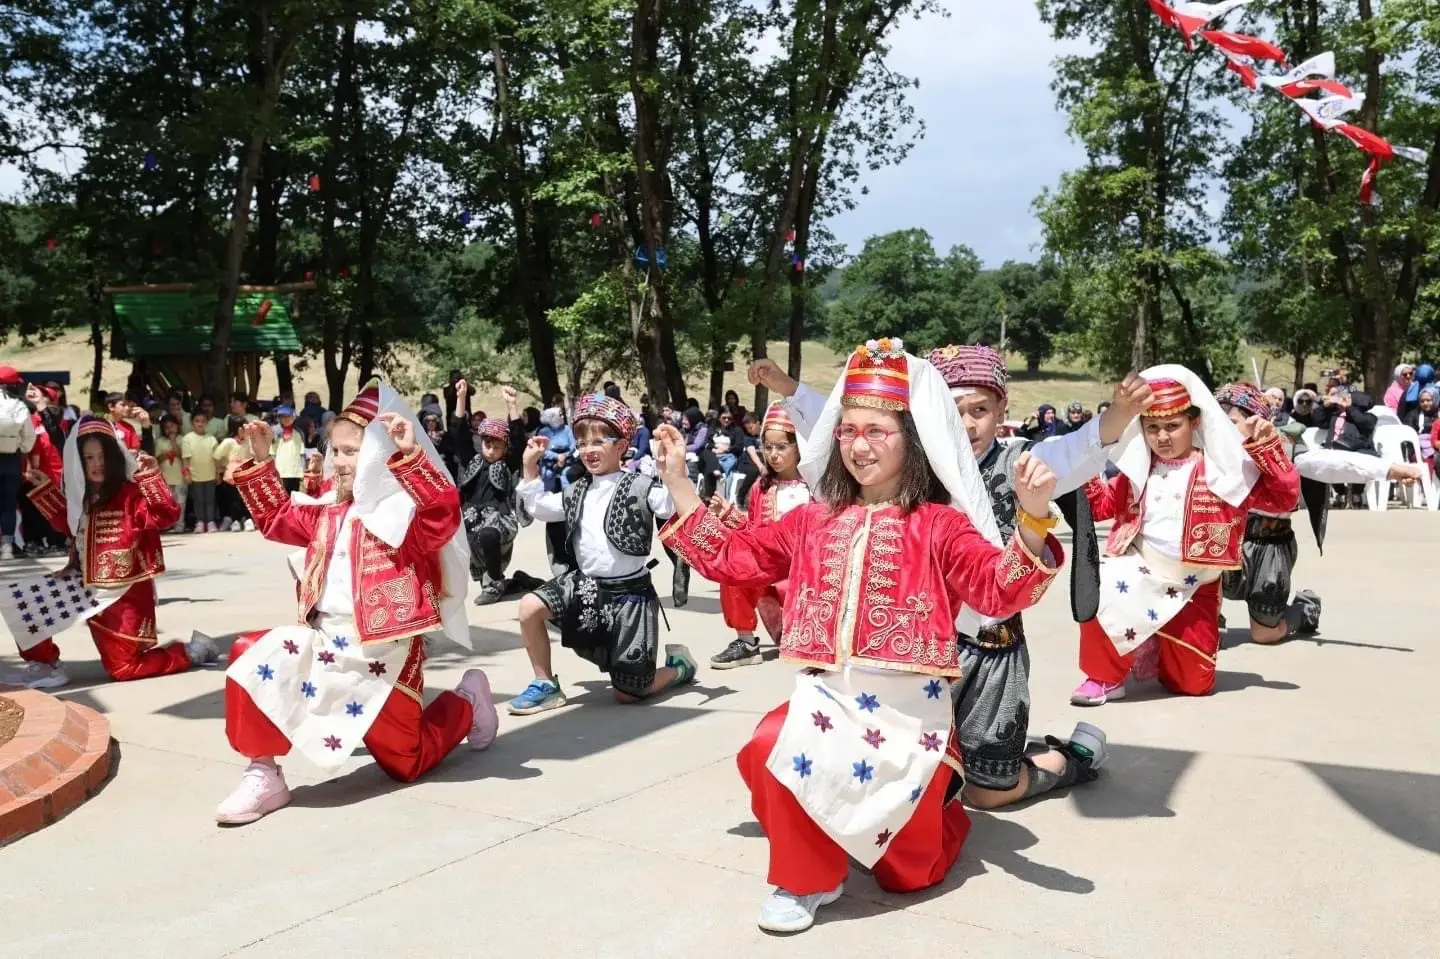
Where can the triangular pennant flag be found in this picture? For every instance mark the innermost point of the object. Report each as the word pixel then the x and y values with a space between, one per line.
pixel 1320 65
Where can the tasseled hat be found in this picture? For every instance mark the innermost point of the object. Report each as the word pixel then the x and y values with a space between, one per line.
pixel 877 376
pixel 612 412
pixel 969 368
pixel 494 429
pixel 365 406
pixel 776 418
pixel 95 426
pixel 1247 398
pixel 1168 397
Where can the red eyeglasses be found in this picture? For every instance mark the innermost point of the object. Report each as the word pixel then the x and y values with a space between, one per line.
pixel 874 435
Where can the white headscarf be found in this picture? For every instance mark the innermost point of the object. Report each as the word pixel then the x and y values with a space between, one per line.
pixel 386 510
pixel 952 462
pixel 1230 473
pixel 74 474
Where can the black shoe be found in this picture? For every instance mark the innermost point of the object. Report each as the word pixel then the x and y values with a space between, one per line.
pixel 738 653
pixel 490 593
pixel 1303 616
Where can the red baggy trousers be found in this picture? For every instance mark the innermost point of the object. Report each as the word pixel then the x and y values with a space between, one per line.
pixel 406 740
pixel 744 607
pixel 804 860
pixel 1189 643
pixel 124 634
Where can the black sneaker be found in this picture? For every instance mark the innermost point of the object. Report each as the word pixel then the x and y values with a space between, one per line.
pixel 491 592
pixel 1303 615
pixel 738 653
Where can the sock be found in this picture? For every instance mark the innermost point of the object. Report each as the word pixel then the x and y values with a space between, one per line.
pixel 748 639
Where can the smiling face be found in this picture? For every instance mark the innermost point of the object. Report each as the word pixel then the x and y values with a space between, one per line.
pixel 874 454
pixel 980 412
pixel 600 447
pixel 1170 437
pixel 345 440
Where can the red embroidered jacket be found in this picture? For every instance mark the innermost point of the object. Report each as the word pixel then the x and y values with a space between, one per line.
pixel 397 591
pixel 761 506
pixel 1213 529
pixel 122 535
pixel 869 585
pixel 45 456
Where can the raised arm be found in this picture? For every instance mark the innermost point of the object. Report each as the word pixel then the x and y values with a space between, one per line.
pixel 1104 497
pixel 266 497
pixel 1078 457
pixel 543 506
pixel 157 508
pixel 437 501
pixel 460 437
pixel 992 580
pixel 49 499
pixel 1279 487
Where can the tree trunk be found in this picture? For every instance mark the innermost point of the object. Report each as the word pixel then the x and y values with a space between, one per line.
pixel 335 337
pixel 521 202
pixel 1299 355
pixel 97 344
pixel 1032 365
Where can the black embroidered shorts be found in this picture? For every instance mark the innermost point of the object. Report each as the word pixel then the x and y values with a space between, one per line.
pixel 614 624
pixel 1268 555
pixel 992 706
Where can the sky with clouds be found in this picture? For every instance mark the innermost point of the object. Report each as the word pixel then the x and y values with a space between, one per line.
pixel 993 136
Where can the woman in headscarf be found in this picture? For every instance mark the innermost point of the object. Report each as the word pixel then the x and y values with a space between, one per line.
pixel 1423 376
pixel 1423 417
pixel 1045 424
pixel 1395 392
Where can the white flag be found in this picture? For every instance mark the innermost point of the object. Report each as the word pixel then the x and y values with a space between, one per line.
pixel 1329 111
pixel 1411 153
pixel 1320 65
pixel 37 607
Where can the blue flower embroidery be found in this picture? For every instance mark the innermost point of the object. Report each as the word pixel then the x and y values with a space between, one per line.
pixel 1123 586
pixel 308 688
pixel 1191 580
pixel 915 794
pixel 354 709
pixel 863 771
pixel 933 689
pixel 802 765
pixel 265 671
pixel 341 642
pixel 1152 614
pixel 867 702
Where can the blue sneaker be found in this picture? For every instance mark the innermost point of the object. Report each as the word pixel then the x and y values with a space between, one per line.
pixel 540 695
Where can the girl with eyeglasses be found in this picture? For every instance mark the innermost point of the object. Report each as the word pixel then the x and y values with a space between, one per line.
pixel 862 760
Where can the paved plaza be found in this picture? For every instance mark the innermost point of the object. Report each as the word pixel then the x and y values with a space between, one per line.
pixel 1296 812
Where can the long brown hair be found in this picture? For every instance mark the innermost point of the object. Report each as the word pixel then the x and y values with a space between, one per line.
pixel 918 483
pixel 116 469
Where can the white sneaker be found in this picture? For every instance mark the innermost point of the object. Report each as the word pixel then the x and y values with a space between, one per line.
pixel 36 676
pixel 202 649
pixel 1089 741
pixel 7 550
pixel 485 722
pixel 249 526
pixel 786 912
pixel 262 790
pixel 226 524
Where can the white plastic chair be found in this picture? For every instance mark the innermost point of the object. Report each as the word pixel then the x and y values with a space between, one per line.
pixel 1399 444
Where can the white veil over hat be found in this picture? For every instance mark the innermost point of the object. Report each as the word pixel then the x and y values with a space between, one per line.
pixel 74 470
pixel 1230 473
pixel 386 510
pixel 953 463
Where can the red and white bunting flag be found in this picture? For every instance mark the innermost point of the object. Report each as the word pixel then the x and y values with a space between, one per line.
pixel 1244 68
pixel 1316 84
pixel 1191 18
pixel 1244 45
pixel 1320 65
pixel 1327 112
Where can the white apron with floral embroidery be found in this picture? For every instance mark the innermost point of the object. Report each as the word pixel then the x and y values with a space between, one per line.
pixel 858 749
pixel 320 686
pixel 1142 591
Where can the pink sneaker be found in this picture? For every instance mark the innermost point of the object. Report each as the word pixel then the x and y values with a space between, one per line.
pixel 1095 693
pixel 262 790
pixel 475 688
pixel 1146 664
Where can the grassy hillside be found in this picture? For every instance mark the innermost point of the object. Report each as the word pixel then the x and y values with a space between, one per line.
pixel 1057 384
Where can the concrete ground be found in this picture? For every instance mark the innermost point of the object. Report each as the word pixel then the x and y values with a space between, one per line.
pixel 1294 812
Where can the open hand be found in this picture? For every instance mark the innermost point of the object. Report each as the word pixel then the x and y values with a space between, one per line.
pixel 402 433
pixel 671 458
pixel 717 504
pixel 1034 485
pixel 258 437
pixel 144 462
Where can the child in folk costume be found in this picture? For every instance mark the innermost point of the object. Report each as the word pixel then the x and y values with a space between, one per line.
pixel 606 608
pixel 779 490
pixel 861 761
pixel 1269 551
pixel 1188 478
pixel 385 562
pixel 116 508
pixel 487 490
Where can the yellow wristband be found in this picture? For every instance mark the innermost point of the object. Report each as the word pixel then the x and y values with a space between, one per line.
pixel 1039 524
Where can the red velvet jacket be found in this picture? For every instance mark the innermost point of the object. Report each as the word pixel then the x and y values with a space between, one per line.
pixel 122 535
pixel 45 456
pixel 869 585
pixel 1213 528
pixel 761 506
pixel 397 591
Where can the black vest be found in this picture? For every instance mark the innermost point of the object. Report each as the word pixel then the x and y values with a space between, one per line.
pixel 629 522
